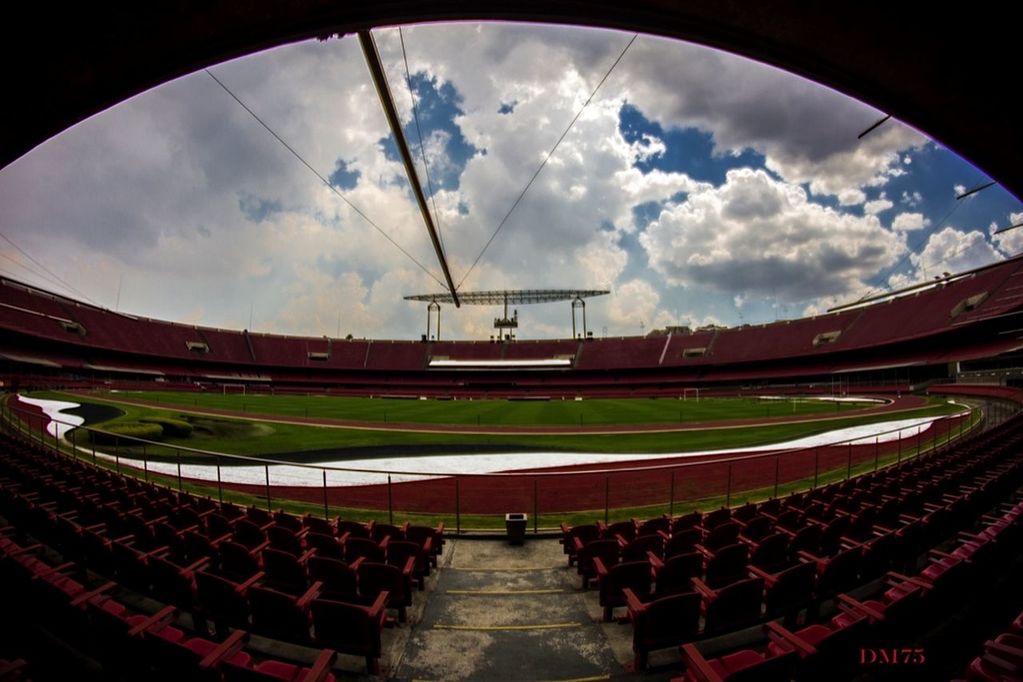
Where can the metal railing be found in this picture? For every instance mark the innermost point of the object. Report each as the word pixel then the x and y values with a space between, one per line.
pixel 466 498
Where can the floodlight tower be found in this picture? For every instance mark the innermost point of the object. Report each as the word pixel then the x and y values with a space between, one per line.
pixel 504 324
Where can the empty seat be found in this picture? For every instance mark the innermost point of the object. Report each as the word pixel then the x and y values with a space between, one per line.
pixel 637 548
pixel 271 670
pixel 607 550
pixel 400 551
pixel 285 571
pixel 224 602
pixel 237 561
pixel 731 607
pixel 726 565
pixel 375 578
pixel 286 540
pixel 823 648
pixel 673 575
pixel 174 584
pixel 326 546
pixel 787 592
pixel 739 666
pixel 280 615
pixel 339 580
pixel 634 575
pixel 351 628
pixel 770 552
pixel 661 623
pixel 370 550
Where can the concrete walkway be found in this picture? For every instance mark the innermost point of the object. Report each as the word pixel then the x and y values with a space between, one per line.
pixel 498 612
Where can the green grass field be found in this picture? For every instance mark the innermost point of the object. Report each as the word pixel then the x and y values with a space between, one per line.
pixel 499 412
pixel 290 441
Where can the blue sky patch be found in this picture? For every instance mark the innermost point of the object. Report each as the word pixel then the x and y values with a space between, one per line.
pixel 257 210
pixel 438 106
pixel 344 176
pixel 687 150
pixel 507 107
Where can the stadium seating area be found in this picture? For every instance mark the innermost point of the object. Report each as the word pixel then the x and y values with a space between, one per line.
pixel 909 541
pixel 157 582
pixel 83 543
pixel 964 318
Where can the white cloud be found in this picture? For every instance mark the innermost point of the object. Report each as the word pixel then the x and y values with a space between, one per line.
pixel 647 148
pixel 808 133
pixel 634 307
pixel 851 197
pixel 757 234
pixel 949 250
pixel 907 222
pixel 878 205
pixel 1009 243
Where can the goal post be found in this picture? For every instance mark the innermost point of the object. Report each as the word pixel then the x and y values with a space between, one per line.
pixel 233 389
pixel 687 393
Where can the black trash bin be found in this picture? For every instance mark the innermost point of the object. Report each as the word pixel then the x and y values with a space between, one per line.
pixel 515 524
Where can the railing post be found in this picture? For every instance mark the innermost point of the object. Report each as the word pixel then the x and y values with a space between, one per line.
pixel 918 440
pixel 74 444
pixel 777 472
pixel 671 495
pixel 390 502
pixel 458 510
pixel 145 464
pixel 266 468
pixel 178 455
pixel 848 466
pixel 536 505
pixel 117 455
pixel 876 452
pixel 728 487
pixel 326 511
pixel 899 436
pixel 816 463
pixel 220 485
pixel 607 496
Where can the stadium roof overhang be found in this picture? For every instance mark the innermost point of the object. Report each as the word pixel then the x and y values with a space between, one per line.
pixel 945 72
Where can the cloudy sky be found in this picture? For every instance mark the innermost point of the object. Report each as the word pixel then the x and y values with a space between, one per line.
pixel 697 186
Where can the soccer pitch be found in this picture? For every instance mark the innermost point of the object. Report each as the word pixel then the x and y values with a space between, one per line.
pixel 266 425
pixel 492 412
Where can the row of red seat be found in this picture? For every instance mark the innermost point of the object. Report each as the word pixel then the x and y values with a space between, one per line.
pixel 305 580
pixel 733 568
pixel 134 644
pixel 906 603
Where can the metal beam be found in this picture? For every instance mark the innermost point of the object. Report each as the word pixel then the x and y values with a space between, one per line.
pixel 376 69
pixel 512 296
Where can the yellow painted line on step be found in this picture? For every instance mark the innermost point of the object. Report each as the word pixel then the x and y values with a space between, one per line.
pixel 494 628
pixel 487 593
pixel 594 678
pixel 503 570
